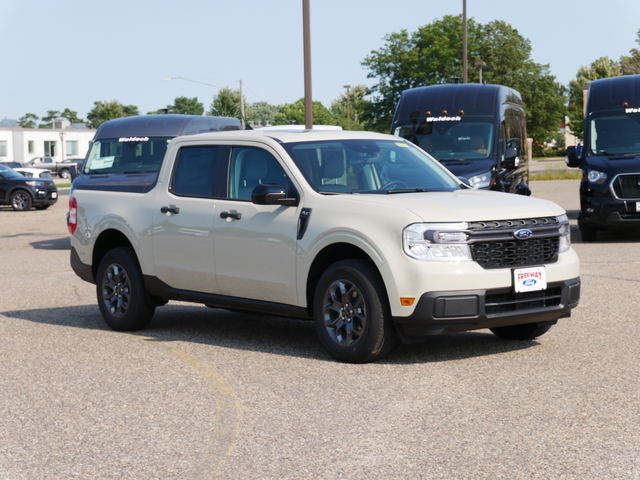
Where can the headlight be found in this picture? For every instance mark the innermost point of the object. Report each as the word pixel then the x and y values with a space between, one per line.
pixel 439 242
pixel 596 177
pixel 565 234
pixel 35 183
pixel 481 181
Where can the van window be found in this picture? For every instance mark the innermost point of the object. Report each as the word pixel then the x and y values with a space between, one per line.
pixel 615 133
pixel 126 155
pixel 452 138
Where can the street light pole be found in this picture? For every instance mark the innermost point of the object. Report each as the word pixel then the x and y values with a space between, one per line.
pixel 308 98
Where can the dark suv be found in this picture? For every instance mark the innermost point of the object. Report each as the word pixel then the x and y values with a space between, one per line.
pixel 23 192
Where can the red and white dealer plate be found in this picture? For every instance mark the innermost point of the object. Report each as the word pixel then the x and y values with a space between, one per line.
pixel 529 279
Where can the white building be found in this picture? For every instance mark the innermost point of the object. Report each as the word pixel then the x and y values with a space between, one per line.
pixel 19 144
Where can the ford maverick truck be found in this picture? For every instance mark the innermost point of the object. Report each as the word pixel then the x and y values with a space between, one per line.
pixel 362 233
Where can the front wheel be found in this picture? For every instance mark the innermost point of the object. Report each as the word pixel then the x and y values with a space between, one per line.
pixel 527 331
pixel 121 293
pixel 21 201
pixel 351 312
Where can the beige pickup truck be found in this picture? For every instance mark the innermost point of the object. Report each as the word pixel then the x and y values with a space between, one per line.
pixel 365 234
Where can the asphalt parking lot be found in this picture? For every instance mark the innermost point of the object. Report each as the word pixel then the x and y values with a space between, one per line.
pixel 207 393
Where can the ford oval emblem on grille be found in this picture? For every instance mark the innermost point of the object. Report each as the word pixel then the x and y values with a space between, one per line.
pixel 522 234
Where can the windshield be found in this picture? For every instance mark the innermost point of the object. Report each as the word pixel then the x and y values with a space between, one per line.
pixel 615 132
pixel 452 138
pixel 7 172
pixel 126 155
pixel 369 166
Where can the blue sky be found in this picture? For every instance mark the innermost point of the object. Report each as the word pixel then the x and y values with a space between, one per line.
pixel 71 53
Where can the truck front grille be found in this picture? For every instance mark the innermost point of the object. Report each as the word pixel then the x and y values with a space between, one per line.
pixel 494 245
pixel 512 302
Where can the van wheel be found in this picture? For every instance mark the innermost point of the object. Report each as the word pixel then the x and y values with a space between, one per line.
pixel 588 233
pixel 528 331
pixel 351 312
pixel 121 293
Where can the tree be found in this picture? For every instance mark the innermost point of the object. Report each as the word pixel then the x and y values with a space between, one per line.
pixel 49 118
pixel 226 103
pixel 262 112
pixel 603 67
pixel 103 111
pixel 355 106
pixel 433 55
pixel 29 120
pixel 295 113
pixel 71 116
pixel 631 65
pixel 183 105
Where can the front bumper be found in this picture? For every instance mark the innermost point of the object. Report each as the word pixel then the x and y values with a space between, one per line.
pixel 458 311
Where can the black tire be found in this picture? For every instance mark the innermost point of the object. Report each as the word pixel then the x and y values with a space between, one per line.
pixel 351 312
pixel 588 234
pixel 21 201
pixel 121 293
pixel 64 173
pixel 527 331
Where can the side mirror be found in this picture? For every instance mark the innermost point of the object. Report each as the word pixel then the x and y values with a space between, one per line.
pixel 271 194
pixel 572 159
pixel 511 159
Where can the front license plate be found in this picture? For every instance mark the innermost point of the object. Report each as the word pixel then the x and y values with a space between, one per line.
pixel 530 279
pixel 54 194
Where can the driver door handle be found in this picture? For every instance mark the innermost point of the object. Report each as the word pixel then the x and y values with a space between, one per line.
pixel 235 215
pixel 174 210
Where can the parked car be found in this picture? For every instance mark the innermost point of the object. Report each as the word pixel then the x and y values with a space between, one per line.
pixel 34 172
pixel 11 164
pixel 62 169
pixel 23 192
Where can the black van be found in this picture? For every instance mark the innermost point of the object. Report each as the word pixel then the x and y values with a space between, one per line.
pixel 610 157
pixel 137 144
pixel 477 131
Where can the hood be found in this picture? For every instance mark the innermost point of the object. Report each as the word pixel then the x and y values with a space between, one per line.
pixel 458 206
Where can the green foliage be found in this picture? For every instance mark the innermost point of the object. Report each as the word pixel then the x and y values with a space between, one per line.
pixel 262 113
pixel 295 113
pixel 356 106
pixel 71 116
pixel 603 67
pixel 631 65
pixel 104 111
pixel 30 120
pixel 433 55
pixel 226 103
pixel 182 105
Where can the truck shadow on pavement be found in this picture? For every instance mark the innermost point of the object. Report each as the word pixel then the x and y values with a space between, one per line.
pixel 274 335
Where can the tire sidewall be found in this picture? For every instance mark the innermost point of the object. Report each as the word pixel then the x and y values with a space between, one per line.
pixel 371 344
pixel 28 204
pixel 139 311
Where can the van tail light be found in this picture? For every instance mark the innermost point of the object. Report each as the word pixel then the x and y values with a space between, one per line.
pixel 72 215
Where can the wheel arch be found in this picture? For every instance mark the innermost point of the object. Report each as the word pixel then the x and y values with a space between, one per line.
pixel 107 240
pixel 328 256
pixel 22 189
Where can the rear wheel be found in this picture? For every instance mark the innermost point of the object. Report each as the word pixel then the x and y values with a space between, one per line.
pixel 121 293
pixel 351 312
pixel 64 173
pixel 528 331
pixel 588 233
pixel 21 201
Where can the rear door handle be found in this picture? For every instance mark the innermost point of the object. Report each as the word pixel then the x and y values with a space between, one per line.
pixel 174 210
pixel 235 215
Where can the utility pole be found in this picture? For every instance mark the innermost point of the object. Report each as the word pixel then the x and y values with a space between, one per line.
pixel 348 107
pixel 241 106
pixel 464 41
pixel 308 98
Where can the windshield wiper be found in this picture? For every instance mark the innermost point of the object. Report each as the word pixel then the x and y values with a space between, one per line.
pixel 406 190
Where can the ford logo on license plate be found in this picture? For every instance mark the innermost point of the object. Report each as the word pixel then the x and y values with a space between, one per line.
pixel 522 234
